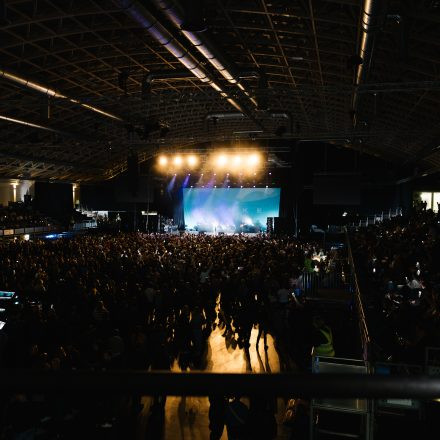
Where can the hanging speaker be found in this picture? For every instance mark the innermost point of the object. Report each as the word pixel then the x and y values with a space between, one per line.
pixel 133 173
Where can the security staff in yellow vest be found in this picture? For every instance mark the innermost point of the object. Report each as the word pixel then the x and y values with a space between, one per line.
pixel 323 338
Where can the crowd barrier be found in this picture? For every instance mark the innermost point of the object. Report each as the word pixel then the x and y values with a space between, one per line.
pixel 44 229
pixel 29 230
pixel 314 281
pixel 377 218
pixel 85 225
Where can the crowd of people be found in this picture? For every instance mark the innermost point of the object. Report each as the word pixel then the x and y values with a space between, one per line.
pixel 21 216
pixel 149 301
pixel 397 262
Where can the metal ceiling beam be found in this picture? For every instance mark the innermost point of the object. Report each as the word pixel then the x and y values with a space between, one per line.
pixel 24 157
pixel 24 82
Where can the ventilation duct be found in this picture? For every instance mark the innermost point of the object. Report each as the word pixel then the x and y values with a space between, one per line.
pixel 372 13
pixel 224 115
pixel 33 125
pixel 164 37
pixel 202 43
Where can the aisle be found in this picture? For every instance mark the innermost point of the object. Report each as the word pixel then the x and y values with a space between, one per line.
pixel 186 418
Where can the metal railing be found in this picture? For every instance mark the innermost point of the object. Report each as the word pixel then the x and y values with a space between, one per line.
pixel 314 281
pixel 85 225
pixel 365 336
pixel 377 218
pixel 203 384
pixel 28 230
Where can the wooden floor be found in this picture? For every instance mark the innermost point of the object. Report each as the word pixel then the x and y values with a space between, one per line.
pixel 186 418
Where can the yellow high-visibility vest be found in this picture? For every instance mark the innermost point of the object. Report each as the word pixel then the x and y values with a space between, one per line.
pixel 325 349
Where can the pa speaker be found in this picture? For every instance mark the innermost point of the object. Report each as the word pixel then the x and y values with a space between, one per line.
pixel 133 173
pixel 283 225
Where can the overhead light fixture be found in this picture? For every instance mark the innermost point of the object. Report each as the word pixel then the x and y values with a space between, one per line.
pixel 221 160
pixel 192 160
pixel 177 161
pixel 163 160
pixel 253 159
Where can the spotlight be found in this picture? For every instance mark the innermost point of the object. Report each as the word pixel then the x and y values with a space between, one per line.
pixel 237 160
pixel 164 131
pixel 145 88
pixel 253 159
pixel 178 161
pixel 163 160
pixel 241 186
pixel 267 186
pixel 192 161
pixel 221 160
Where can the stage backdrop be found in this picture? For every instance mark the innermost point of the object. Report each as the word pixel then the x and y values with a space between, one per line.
pixel 229 209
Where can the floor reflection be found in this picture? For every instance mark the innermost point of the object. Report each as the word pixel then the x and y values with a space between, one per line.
pixel 186 418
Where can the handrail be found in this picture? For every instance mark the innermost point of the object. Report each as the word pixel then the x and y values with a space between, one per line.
pixel 230 384
pixel 366 341
pixel 378 218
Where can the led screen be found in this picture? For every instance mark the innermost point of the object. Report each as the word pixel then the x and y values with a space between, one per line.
pixel 229 209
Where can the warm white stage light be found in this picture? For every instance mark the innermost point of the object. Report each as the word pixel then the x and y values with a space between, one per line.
pixel 221 160
pixel 192 160
pixel 163 160
pixel 237 160
pixel 178 161
pixel 253 159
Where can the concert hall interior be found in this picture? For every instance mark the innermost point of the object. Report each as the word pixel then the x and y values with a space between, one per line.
pixel 219 219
